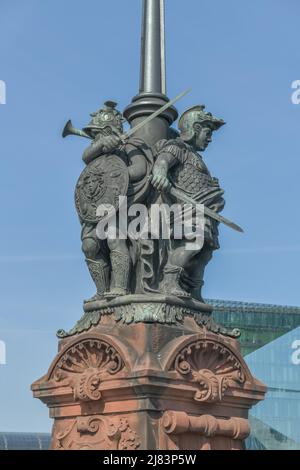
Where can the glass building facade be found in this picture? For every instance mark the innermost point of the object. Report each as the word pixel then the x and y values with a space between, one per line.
pixel 24 441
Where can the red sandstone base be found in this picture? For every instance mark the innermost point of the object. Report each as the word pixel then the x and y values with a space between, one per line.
pixel 149 386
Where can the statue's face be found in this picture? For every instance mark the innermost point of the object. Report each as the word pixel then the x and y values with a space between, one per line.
pixel 203 137
pixel 106 131
pixel 93 184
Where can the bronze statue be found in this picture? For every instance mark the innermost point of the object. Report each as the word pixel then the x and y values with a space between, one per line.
pixel 119 167
pixel 113 169
pixel 178 164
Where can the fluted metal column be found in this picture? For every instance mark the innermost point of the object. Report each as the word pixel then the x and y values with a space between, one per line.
pixel 152 77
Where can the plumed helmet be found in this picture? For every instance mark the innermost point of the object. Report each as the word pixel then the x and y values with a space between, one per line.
pixel 108 116
pixel 197 115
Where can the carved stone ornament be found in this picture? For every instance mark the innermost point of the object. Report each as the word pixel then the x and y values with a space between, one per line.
pixel 96 433
pixel 139 308
pixel 179 422
pixel 85 364
pixel 210 365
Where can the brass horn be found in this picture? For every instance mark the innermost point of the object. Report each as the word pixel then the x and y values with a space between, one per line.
pixel 70 130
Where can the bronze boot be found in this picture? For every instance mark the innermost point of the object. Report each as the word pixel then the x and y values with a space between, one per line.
pixel 120 266
pixel 170 284
pixel 193 285
pixel 99 271
pixel 196 291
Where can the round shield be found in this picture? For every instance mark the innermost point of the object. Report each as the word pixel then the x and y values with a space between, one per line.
pixel 101 183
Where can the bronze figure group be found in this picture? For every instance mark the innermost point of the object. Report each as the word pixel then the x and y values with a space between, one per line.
pixel 117 167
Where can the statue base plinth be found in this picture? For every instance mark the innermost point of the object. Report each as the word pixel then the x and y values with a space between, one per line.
pixel 148 385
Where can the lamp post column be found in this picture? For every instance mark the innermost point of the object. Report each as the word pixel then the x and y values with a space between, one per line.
pixel 152 91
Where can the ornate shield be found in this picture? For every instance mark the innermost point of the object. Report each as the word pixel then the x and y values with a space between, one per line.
pixel 101 182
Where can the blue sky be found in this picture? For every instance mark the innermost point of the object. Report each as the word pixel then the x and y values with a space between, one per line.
pixel 60 61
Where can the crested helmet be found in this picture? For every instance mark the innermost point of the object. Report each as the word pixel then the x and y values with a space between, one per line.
pixel 194 115
pixel 106 117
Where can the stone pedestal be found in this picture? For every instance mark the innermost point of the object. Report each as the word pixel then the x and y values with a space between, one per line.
pixel 121 380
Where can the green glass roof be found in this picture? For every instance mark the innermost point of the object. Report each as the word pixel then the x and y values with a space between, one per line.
pixel 233 305
pixel 259 323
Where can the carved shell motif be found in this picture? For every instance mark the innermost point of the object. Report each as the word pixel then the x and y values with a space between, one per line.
pixel 210 365
pixel 85 364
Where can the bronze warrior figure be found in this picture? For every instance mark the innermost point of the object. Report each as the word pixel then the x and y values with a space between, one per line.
pixel 178 163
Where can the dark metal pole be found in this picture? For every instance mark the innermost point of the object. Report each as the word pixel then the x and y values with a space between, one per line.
pixel 152 91
pixel 152 79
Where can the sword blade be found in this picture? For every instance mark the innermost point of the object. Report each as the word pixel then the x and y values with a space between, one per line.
pixel 214 215
pixel 154 115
